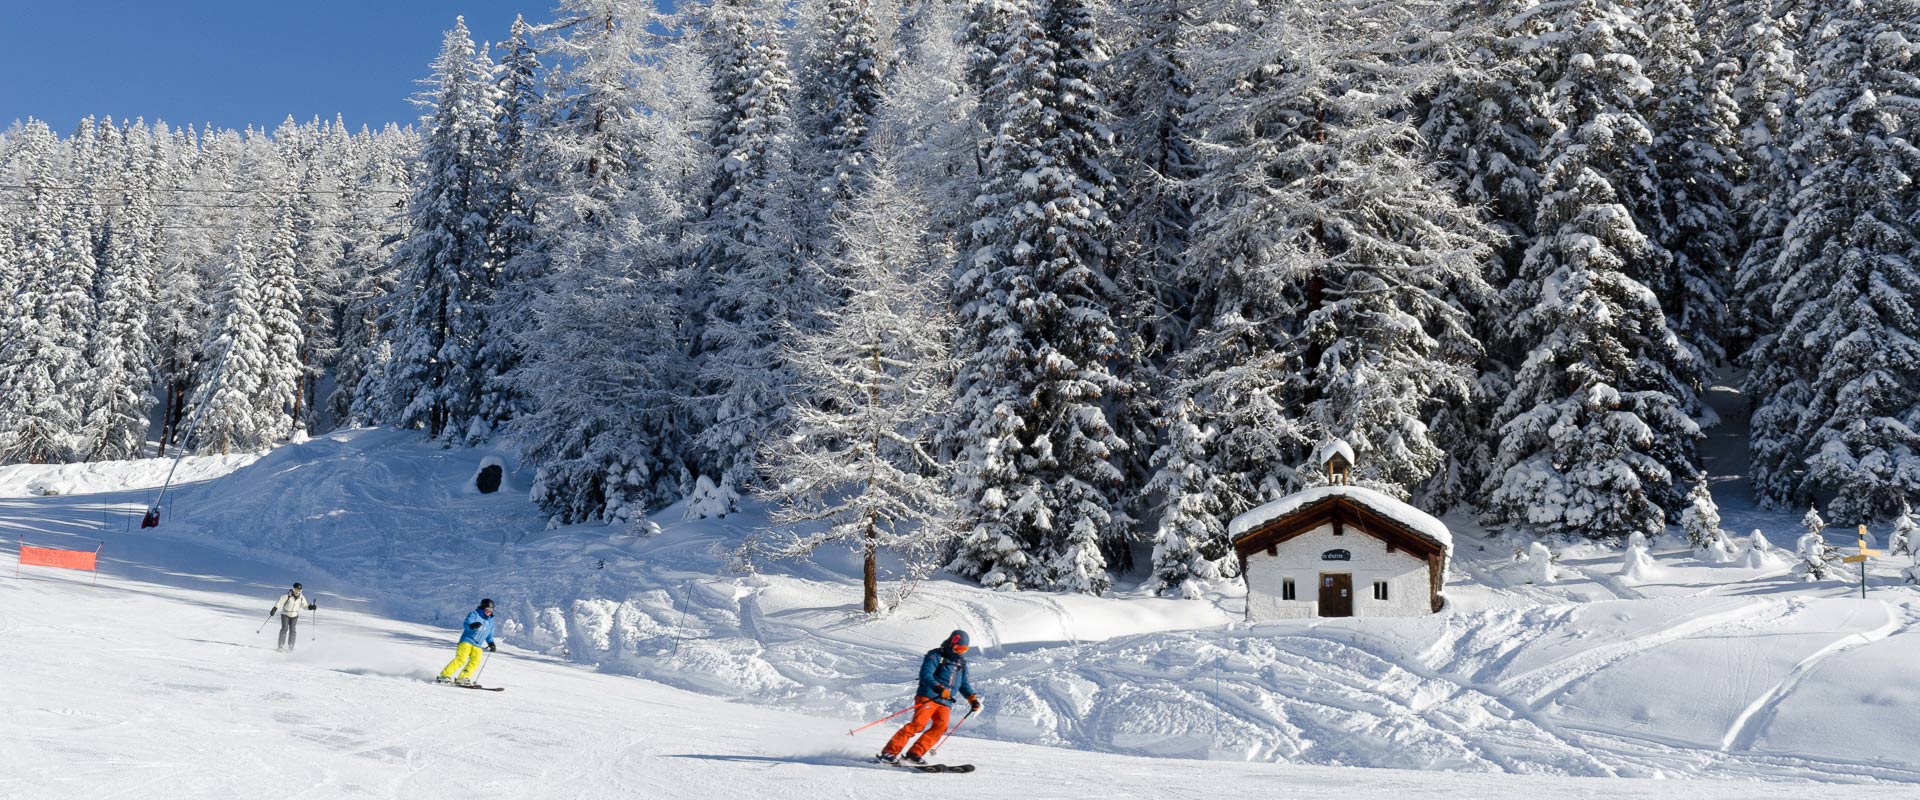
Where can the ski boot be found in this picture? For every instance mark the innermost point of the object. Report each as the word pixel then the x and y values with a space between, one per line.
pixel 463 682
pixel 442 679
pixel 888 758
pixel 912 760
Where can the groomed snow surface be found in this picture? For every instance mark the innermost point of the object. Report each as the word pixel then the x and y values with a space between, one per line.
pixel 1725 681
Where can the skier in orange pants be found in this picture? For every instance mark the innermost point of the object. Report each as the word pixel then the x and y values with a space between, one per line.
pixel 943 674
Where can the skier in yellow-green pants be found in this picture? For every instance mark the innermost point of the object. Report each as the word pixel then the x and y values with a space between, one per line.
pixel 477 634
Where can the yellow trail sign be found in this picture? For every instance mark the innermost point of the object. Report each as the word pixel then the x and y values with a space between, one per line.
pixel 1862 545
pixel 1854 559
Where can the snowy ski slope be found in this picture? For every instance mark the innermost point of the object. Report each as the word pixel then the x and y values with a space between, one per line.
pixel 156 678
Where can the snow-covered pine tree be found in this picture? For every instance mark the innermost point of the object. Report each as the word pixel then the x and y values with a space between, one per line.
pixel 606 358
pixel 1085 150
pixel 280 318
pixel 844 70
pixel 1770 86
pixel 928 115
pixel 1596 432
pixel 1035 478
pixel 320 240
pixel 1840 406
pixel 1701 519
pixel 1701 523
pixel 1152 103
pixel 1152 98
pixel 1385 344
pixel 1818 561
pixel 9 257
pixel 1612 31
pixel 1812 521
pixel 1317 295
pixel 443 271
pixel 1237 382
pixel 95 154
pixel 43 342
pixel 579 161
pixel 514 247
pixel 1695 155
pixel 749 256
pixel 1486 119
pixel 377 177
pixel 1905 539
pixel 189 270
pixel 875 376
pixel 226 413
pixel 119 366
pixel 1190 547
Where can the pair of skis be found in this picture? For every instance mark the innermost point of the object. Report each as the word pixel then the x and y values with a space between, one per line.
pixel 938 767
pixel 472 686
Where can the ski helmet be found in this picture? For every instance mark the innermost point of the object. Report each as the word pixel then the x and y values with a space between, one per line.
pixel 486 602
pixel 956 641
pixel 296 584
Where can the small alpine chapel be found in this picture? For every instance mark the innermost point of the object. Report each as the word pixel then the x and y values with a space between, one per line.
pixel 1340 550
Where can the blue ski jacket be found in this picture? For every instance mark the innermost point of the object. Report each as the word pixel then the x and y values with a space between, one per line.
pixel 478 629
pixel 944 669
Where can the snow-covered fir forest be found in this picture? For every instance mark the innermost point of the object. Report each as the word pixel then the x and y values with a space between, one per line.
pixel 1040 291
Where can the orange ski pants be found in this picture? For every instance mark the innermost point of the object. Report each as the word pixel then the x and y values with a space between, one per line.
pixel 928 716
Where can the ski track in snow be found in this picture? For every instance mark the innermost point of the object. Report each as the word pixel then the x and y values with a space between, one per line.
pixel 1753 720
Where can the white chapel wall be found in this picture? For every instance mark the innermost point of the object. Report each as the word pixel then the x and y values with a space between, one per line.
pixel 1408 590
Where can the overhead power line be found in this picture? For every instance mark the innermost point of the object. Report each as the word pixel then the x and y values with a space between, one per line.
pixel 125 189
pixel 84 204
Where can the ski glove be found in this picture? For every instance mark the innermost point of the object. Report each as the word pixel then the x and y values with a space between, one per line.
pixel 313 608
pixel 489 647
pixel 272 611
pixel 474 625
pixel 946 693
pixel 974 700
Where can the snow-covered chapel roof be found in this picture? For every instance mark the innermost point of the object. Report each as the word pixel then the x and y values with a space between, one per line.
pixel 1417 521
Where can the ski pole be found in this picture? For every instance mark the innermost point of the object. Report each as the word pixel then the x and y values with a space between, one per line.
pixel 880 720
pixel 950 732
pixel 263 625
pixel 484 661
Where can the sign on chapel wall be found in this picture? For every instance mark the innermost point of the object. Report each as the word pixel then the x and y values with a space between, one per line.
pixel 1336 555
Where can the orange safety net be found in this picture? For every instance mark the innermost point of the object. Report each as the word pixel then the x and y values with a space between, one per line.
pixel 52 557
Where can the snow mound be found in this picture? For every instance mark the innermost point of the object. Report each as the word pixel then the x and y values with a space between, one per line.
pixel 96 477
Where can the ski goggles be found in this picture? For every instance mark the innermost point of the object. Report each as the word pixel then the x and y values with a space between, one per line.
pixel 960 648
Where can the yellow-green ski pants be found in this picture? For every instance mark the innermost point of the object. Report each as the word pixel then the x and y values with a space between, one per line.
pixel 467 654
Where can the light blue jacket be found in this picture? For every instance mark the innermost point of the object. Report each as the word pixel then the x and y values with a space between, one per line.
pixel 478 630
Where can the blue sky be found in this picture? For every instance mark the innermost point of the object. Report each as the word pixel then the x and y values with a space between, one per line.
pixel 229 62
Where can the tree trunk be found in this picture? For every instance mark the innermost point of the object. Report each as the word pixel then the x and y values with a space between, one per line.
pixel 870 582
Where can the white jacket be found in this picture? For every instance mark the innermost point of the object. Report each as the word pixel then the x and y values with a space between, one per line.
pixel 290 606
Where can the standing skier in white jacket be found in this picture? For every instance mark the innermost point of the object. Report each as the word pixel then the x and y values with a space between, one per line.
pixel 289 608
